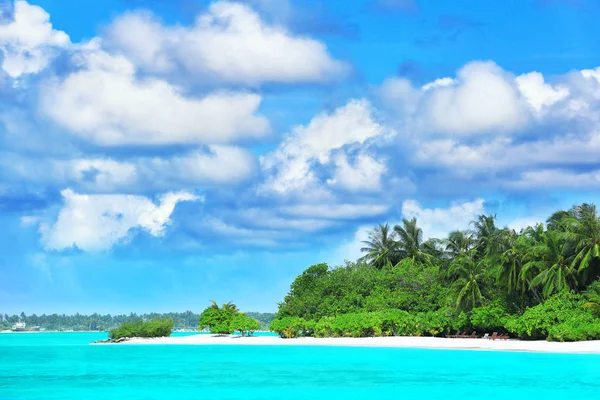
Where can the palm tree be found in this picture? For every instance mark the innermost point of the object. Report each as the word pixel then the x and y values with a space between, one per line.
pixel 410 241
pixel 516 256
pixel 490 240
pixel 551 265
pixel 592 295
pixel 381 248
pixel 471 278
pixel 458 243
pixel 226 307
pixel 583 231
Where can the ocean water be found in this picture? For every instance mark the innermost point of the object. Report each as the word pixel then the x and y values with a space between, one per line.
pixel 64 366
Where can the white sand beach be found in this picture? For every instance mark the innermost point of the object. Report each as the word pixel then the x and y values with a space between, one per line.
pixel 396 342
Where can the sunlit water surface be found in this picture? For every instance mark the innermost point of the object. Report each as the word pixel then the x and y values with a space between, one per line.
pixel 64 366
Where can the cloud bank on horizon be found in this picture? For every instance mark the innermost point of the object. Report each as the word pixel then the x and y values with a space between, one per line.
pixel 241 132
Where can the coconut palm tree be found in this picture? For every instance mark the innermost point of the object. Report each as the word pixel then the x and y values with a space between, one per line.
pixel 490 240
pixel 381 248
pixel 592 295
pixel 471 278
pixel 458 243
pixel 226 307
pixel 583 232
pixel 410 241
pixel 551 265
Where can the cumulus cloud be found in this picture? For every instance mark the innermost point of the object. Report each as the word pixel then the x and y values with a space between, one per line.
pixel 483 98
pixel 29 42
pixel 107 104
pixel 98 222
pixel 290 167
pixel 439 222
pixel 229 42
pixel 362 176
pixel 539 93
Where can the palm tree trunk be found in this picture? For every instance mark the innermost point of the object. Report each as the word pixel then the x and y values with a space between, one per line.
pixel 535 292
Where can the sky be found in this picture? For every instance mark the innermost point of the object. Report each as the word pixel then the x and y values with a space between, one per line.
pixel 157 154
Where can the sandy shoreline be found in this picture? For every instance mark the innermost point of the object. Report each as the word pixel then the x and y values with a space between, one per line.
pixel 394 342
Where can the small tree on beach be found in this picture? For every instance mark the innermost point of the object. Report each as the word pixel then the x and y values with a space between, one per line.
pixel 244 324
pixel 218 319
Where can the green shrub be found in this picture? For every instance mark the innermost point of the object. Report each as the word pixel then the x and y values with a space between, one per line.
pixel 560 313
pixel 153 328
pixel 433 323
pixel 221 328
pixel 291 327
pixel 582 327
pixel 492 317
pixel 244 324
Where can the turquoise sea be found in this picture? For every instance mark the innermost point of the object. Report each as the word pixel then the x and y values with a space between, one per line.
pixel 64 366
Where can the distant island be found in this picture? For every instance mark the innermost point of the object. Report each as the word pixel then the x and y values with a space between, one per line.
pixel 223 320
pixel 97 322
pixel 539 283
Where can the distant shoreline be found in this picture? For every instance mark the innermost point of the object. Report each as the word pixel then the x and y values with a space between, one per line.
pixel 587 347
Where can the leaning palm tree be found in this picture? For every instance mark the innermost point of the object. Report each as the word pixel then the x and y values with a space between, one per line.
pixel 381 248
pixel 410 241
pixel 551 265
pixel 471 277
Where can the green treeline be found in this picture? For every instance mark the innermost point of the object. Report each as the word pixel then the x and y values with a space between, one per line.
pixel 539 283
pixel 81 322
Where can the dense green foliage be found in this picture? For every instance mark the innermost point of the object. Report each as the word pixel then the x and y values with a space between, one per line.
pixel 157 327
pixel 227 319
pixel 93 322
pixel 244 324
pixel 541 282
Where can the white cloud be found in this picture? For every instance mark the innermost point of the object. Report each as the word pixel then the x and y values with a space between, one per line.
pixel 556 178
pixel 107 104
pixel 439 222
pixel 229 42
pixel 219 165
pixel 222 164
pixel 539 93
pixel 483 98
pixel 440 82
pixel 29 220
pixel 105 174
pixel 29 42
pixel 266 219
pixel 350 249
pixel 289 167
pixel 335 211
pixel 364 175
pixel 246 236
pixel 97 222
pixel 504 154
pixel 521 223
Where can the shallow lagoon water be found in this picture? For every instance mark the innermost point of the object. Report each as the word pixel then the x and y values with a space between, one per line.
pixel 64 366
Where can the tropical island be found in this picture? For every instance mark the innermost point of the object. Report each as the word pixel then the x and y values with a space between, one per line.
pixel 537 284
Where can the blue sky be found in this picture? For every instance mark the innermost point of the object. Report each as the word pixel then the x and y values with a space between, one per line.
pixel 154 154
